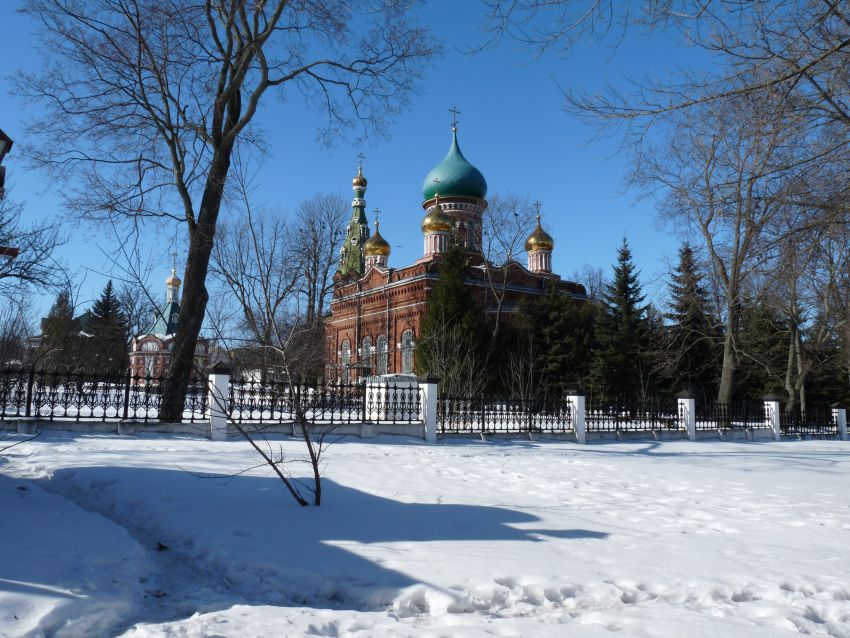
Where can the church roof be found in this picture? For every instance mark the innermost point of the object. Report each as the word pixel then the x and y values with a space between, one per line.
pixel 455 176
pixel 166 320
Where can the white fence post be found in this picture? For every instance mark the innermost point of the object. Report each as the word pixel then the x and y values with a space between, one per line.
pixel 686 403
pixel 771 409
pixel 577 409
pixel 429 406
pixel 839 413
pixel 219 390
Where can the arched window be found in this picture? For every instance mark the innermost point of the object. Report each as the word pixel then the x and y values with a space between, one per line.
pixel 346 360
pixel 367 356
pixel 407 352
pixel 382 354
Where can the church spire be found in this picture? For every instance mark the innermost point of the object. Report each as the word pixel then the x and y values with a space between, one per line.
pixel 351 258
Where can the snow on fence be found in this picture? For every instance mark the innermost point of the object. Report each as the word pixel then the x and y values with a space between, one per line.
pixel 39 395
pixel 488 415
pixel 252 401
pixel 636 417
pixel 740 415
pixel 815 422
pixel 81 396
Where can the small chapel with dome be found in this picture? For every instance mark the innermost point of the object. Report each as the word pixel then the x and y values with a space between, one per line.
pixel 377 309
pixel 150 352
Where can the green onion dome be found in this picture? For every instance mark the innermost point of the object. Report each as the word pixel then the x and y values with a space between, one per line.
pixel 455 176
pixel 539 239
pixel 376 245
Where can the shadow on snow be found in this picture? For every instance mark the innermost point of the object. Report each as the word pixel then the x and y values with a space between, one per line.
pixel 243 541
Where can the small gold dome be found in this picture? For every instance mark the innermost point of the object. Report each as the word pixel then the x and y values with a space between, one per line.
pixel 539 239
pixel 376 245
pixel 359 181
pixel 437 220
pixel 173 280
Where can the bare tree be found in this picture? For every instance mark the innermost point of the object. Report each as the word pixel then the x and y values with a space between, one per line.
pixel 319 232
pixel 453 357
pixel 260 262
pixel 145 102
pixel 522 374
pixel 724 174
pixel 34 265
pixel 808 275
pixel 253 259
pixel 592 278
pixel 16 330
pixel 797 49
pixel 507 221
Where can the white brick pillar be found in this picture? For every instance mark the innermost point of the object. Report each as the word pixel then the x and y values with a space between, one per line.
pixel 576 400
pixel 771 414
pixel 687 406
pixel 219 391
pixel 429 406
pixel 839 413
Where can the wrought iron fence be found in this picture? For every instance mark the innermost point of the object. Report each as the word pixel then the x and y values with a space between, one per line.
pixel 813 422
pixel 631 417
pixel 502 415
pixel 269 402
pixel 739 415
pixel 83 396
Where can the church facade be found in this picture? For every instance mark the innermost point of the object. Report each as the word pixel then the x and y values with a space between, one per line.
pixel 377 310
pixel 150 352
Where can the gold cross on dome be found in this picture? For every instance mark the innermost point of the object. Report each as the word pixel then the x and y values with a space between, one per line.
pixel 537 208
pixel 454 113
pixel 360 157
pixel 377 216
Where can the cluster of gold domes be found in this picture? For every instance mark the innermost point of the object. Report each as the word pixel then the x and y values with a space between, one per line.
pixel 376 245
pixel 437 220
pixel 539 239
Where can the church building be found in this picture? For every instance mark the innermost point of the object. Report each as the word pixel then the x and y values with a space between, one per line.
pixel 377 310
pixel 150 352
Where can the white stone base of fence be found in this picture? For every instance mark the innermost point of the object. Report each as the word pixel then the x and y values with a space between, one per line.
pixel 687 406
pixel 840 416
pixel 771 409
pixel 30 426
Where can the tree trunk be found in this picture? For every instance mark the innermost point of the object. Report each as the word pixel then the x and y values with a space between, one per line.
pixel 727 375
pixel 790 390
pixel 193 303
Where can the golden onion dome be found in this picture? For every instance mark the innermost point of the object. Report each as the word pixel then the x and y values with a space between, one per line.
pixel 359 181
pixel 173 280
pixel 539 239
pixel 376 245
pixel 437 220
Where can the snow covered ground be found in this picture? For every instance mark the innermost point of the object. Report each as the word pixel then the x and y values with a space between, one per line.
pixel 109 535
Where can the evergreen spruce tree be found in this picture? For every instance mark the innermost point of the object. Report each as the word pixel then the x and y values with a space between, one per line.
pixel 107 330
pixel 59 334
pixel 618 369
pixel 452 343
pixel 562 334
pixel 762 347
pixel 693 347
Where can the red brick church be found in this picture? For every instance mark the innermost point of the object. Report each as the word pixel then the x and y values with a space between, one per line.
pixel 376 309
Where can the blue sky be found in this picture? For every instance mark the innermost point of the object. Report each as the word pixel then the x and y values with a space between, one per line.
pixel 512 127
